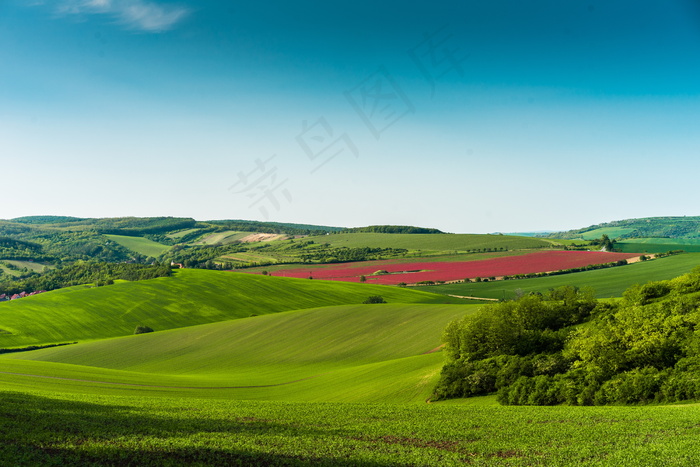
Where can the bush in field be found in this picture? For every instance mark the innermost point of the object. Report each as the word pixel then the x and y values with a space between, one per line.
pixel 374 299
pixel 142 330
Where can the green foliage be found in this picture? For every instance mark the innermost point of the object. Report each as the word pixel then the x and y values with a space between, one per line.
pixel 635 351
pixel 136 226
pixel 44 428
pixel 202 256
pixel 605 243
pixel 84 273
pixel 273 227
pixel 345 255
pixel 58 244
pixel 521 327
pixel 686 227
pixel 47 219
pixel 142 330
pixel 374 299
pixel 394 229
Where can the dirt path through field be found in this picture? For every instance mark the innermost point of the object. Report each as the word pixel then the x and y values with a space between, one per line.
pixel 474 298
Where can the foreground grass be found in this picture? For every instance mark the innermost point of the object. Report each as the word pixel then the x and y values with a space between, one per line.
pixel 607 283
pixel 39 428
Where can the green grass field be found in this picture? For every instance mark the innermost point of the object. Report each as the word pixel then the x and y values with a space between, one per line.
pixel 189 297
pixel 666 241
pixel 630 247
pixel 31 265
pixel 140 245
pixel 344 353
pixel 658 245
pixel 44 428
pixel 612 232
pixel 606 282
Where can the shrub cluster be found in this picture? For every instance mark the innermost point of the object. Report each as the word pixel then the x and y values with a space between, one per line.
pixel 565 348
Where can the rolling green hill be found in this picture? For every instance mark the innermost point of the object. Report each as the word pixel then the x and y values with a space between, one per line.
pixel 606 282
pixel 669 227
pixel 187 298
pixel 140 245
pixel 351 352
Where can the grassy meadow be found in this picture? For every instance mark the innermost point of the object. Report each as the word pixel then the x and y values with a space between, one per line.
pixel 187 298
pixel 659 245
pixel 366 353
pixel 140 245
pixel 48 428
pixel 611 232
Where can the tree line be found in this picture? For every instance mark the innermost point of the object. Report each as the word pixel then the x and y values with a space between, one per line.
pixel 395 229
pixel 84 273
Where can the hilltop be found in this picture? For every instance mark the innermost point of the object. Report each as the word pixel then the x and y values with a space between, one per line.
pixel 685 227
pixel 189 297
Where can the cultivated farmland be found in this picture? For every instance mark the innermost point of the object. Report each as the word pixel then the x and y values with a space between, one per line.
pixel 414 272
pixel 611 282
pixel 140 245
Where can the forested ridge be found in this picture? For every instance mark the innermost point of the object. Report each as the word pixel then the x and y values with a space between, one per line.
pixel 80 273
pixel 648 227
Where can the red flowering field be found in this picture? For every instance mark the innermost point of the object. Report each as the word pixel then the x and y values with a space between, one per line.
pixel 413 272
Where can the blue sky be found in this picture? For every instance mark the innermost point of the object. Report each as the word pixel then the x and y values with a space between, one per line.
pixel 465 116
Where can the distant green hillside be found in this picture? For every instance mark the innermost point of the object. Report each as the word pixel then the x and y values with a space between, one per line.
pixel 431 243
pixel 272 227
pixel 187 298
pixel 47 219
pixel 397 229
pixel 140 245
pixel 666 227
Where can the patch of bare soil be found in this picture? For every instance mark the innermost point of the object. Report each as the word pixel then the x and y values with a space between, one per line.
pixel 261 237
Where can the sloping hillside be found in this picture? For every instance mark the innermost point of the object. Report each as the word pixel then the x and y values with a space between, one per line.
pixel 187 298
pixel 666 227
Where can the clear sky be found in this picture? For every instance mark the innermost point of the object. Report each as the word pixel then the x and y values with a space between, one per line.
pixel 467 116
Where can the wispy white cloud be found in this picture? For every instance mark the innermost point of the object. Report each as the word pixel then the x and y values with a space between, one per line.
pixel 140 15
